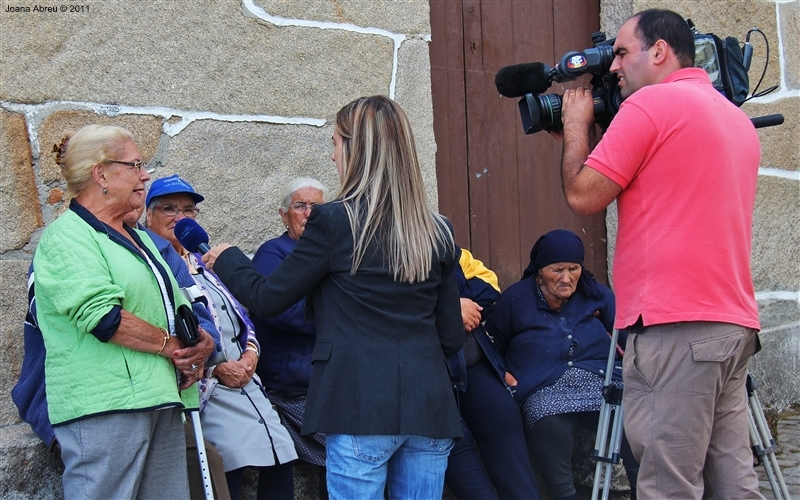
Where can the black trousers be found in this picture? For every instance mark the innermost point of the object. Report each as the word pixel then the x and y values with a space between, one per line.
pixel 551 440
pixel 499 467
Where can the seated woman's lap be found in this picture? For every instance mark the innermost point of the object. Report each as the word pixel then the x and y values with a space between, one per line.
pixel 495 422
pixel 488 407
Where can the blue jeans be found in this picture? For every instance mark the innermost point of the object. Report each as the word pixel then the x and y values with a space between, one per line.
pixel 360 467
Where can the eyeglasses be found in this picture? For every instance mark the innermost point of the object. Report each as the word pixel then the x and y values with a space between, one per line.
pixel 173 211
pixel 138 165
pixel 303 207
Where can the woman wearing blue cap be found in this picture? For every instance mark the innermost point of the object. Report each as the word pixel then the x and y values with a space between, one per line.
pixel 237 417
pixel 553 330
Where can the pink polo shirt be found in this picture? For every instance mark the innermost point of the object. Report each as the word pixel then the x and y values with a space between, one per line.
pixel 687 160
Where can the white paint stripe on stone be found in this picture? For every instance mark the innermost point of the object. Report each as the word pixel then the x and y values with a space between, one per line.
pixel 189 117
pixel 781 59
pixel 781 328
pixel 775 96
pixel 778 295
pixel 36 113
pixel 777 172
pixel 250 9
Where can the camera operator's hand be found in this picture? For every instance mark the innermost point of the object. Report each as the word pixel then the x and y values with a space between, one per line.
pixel 586 190
pixel 557 134
pixel 577 110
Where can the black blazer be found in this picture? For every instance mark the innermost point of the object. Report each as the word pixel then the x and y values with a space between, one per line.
pixel 379 363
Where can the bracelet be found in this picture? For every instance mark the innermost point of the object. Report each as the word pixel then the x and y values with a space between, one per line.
pixel 166 339
pixel 252 346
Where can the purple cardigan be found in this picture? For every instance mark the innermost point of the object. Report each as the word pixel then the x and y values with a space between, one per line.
pixel 247 334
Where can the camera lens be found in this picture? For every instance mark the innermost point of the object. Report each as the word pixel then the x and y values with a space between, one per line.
pixel 550 106
pixel 540 112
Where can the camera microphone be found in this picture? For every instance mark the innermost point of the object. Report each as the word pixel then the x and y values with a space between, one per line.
pixel 520 79
pixel 192 236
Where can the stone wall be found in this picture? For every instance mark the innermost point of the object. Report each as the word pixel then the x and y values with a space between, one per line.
pixel 776 224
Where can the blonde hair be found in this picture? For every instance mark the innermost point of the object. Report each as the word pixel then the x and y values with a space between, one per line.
pixel 383 191
pixel 297 184
pixel 79 151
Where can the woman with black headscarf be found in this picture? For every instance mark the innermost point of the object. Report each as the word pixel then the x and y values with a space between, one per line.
pixel 552 328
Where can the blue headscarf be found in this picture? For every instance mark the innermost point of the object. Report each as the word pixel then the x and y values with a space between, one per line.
pixel 561 245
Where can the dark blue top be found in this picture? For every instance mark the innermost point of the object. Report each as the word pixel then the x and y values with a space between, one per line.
pixel 485 295
pixel 287 340
pixel 29 393
pixel 539 344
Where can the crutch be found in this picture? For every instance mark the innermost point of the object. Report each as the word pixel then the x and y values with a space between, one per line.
pixel 762 442
pixel 606 452
pixel 201 454
pixel 187 330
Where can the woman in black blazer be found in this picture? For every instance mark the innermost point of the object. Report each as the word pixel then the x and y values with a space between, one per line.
pixel 379 268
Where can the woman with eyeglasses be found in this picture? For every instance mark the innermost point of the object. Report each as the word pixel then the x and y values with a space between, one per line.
pixel 379 268
pixel 285 365
pixel 106 306
pixel 236 415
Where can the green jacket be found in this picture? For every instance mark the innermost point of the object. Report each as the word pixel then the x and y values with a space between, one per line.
pixel 82 273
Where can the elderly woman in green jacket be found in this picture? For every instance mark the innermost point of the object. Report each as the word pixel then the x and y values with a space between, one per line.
pixel 116 376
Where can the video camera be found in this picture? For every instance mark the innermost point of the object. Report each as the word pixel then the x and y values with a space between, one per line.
pixel 726 62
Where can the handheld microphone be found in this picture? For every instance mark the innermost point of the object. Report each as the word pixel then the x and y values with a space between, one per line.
pixel 520 79
pixel 192 236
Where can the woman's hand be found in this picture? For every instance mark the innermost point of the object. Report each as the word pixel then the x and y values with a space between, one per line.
pixel 510 380
pixel 191 360
pixel 470 314
pixel 211 256
pixel 238 373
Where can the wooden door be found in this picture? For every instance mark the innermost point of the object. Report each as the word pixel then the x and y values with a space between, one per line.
pixel 500 187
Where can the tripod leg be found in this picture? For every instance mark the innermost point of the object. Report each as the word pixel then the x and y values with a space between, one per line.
pixel 600 448
pixel 758 448
pixel 605 451
pixel 769 445
pixel 613 446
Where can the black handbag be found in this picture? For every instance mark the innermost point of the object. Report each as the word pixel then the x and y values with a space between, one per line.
pixel 186 326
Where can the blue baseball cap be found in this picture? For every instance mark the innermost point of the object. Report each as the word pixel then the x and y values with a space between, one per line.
pixel 171 185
